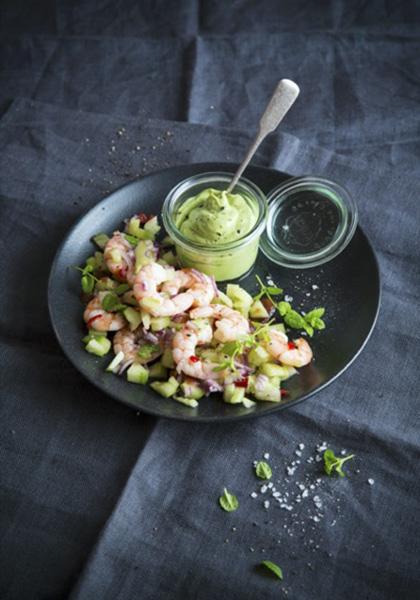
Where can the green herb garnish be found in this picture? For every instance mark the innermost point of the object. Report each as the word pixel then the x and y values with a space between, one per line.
pixel 148 350
pixel 122 288
pixel 233 349
pixel 267 290
pixel 275 569
pixel 111 303
pixel 131 239
pixel 263 470
pixel 87 280
pixel 228 501
pixel 334 463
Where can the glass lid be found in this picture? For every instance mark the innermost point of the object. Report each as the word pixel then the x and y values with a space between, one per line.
pixel 310 221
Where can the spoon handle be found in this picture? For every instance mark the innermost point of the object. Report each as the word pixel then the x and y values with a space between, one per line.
pixel 284 96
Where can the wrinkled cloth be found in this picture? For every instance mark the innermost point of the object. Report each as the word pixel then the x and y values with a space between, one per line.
pixel 98 501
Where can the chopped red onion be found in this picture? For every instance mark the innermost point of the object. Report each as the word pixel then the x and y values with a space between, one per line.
pixel 210 386
pixel 150 337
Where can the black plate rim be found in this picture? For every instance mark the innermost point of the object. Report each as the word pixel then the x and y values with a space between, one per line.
pixel 191 418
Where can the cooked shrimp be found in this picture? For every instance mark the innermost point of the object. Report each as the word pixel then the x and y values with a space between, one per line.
pixel 129 343
pixel 230 324
pixel 277 344
pixel 119 257
pixel 99 319
pixel 184 346
pixel 200 286
pixel 146 284
pixel 299 356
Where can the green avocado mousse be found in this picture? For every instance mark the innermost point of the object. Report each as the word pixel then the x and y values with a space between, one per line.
pixel 215 231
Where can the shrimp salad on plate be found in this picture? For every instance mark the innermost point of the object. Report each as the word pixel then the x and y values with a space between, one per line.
pixel 173 328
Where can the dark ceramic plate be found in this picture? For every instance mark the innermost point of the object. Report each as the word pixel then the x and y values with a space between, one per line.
pixel 348 286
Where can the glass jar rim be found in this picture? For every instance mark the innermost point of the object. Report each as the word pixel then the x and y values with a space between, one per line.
pixel 337 194
pixel 214 177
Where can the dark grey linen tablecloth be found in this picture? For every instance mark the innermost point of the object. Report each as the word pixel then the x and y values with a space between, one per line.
pixel 88 484
pixel 97 501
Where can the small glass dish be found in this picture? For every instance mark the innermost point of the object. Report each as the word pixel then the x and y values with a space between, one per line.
pixel 310 221
pixel 224 261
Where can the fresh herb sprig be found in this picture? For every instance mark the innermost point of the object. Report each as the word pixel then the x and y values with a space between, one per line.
pixel 275 569
pixel 87 280
pixel 268 291
pixel 263 470
pixel 308 322
pixel 234 349
pixel 229 502
pixel 334 464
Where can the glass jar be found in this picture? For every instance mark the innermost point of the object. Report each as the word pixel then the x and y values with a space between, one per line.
pixel 227 260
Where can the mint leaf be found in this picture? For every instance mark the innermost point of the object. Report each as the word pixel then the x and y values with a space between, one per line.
pixel 276 291
pixel 111 303
pixel 283 308
pixel 148 350
pixel 230 348
pixel 263 470
pixel 275 569
pixel 333 463
pixel 228 501
pixel 315 313
pixel 294 320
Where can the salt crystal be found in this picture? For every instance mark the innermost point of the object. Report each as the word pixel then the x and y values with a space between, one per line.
pixel 254 495
pixel 316 519
pixel 266 456
pixel 298 453
pixel 266 503
pixel 312 486
pixel 343 452
pixel 318 458
pixel 315 287
pixel 263 489
pixel 288 298
pixel 321 447
pixel 371 481
pixel 276 494
pixel 301 486
pixel 301 446
pixel 291 470
pixel 308 294
pixel 305 494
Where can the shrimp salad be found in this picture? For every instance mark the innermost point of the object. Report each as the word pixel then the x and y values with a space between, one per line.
pixel 173 328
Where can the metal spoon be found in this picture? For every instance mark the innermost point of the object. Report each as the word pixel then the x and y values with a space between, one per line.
pixel 284 96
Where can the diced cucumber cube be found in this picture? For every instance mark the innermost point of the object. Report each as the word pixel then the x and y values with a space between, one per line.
pixel 258 310
pixel 192 389
pixel 233 394
pixel 101 240
pixel 159 323
pixel 152 226
pixel 158 371
pixel 167 359
pixel 221 298
pixel 133 317
pixel 274 370
pixel 248 403
pixel 187 401
pixel 258 356
pixel 137 374
pixel 165 388
pixel 99 346
pixel 115 363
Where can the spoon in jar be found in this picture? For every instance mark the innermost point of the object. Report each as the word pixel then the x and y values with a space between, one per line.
pixel 283 98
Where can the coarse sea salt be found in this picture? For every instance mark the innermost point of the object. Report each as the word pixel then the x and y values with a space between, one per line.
pixel 266 456
pixel 301 446
pixel 266 503
pixel 254 495
pixel 371 481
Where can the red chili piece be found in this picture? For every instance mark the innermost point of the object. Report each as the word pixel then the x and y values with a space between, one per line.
pixel 93 319
pixel 243 383
pixel 284 392
pixel 193 359
pixel 291 345
pixel 143 218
